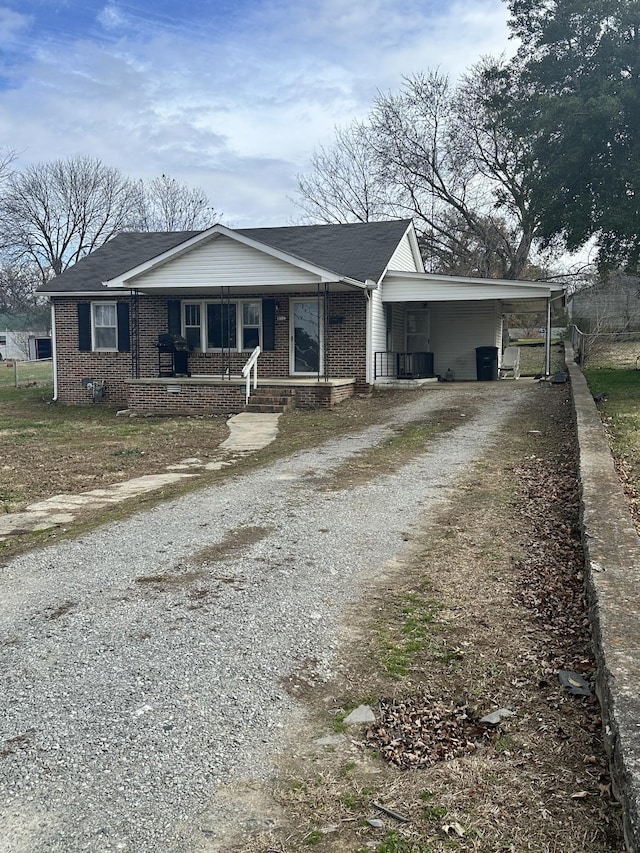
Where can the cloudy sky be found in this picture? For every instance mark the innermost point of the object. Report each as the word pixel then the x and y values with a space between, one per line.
pixel 228 95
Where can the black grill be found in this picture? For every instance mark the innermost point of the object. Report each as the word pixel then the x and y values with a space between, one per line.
pixel 173 355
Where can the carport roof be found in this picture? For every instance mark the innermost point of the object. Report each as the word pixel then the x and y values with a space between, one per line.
pixel 515 296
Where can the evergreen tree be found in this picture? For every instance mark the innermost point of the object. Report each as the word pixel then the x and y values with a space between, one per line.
pixel 578 96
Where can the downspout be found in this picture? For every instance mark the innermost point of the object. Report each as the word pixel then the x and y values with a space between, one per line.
pixel 547 342
pixel 54 354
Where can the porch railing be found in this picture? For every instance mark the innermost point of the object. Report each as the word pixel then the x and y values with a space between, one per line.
pixel 251 365
pixel 403 365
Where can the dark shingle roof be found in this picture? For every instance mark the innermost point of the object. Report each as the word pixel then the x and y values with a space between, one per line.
pixel 124 252
pixel 360 251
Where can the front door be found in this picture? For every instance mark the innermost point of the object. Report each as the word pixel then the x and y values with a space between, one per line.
pixel 417 330
pixel 306 337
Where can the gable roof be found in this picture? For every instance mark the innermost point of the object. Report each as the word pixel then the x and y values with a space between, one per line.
pixel 357 251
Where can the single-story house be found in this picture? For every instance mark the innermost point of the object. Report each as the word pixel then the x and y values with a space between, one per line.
pixel 166 322
pixel 24 337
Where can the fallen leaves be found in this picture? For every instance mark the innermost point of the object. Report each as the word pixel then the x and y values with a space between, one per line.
pixel 418 731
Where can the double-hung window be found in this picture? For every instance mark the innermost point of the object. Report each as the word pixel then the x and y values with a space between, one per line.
pixel 104 326
pixel 193 325
pixel 251 321
pixel 223 325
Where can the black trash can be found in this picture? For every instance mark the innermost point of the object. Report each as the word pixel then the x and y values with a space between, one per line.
pixel 486 363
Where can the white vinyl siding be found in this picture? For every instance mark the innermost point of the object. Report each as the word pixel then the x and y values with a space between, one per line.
pixel 457 328
pixel 427 288
pixel 378 329
pixel 397 328
pixel 224 262
pixel 403 258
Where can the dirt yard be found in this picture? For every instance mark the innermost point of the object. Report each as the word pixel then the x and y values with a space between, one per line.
pixel 47 449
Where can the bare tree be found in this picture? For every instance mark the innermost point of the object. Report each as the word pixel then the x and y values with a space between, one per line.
pixel 165 204
pixel 466 179
pixel 442 155
pixel 55 213
pixel 7 157
pixel 18 284
pixel 345 184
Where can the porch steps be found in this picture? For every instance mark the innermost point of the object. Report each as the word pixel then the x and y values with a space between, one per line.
pixel 270 402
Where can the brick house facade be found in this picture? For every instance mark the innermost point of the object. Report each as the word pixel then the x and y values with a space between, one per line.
pixel 344 357
pixel 328 310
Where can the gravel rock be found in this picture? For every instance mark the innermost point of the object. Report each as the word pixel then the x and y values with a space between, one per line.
pixel 142 662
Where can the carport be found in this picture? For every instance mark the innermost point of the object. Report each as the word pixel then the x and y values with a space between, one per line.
pixel 445 319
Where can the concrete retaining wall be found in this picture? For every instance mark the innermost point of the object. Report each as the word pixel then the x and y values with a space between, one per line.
pixel 612 554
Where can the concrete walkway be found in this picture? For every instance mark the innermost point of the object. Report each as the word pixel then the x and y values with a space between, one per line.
pixel 248 432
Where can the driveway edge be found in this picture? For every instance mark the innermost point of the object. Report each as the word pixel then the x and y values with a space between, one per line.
pixel 612 572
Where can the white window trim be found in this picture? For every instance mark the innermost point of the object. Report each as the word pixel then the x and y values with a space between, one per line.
pixel 95 348
pixel 203 322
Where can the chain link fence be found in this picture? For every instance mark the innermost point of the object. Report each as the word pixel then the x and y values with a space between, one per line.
pixel 621 347
pixel 16 373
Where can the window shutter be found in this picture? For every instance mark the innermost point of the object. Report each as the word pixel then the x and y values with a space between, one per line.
pixel 269 324
pixel 174 319
pixel 84 326
pixel 124 344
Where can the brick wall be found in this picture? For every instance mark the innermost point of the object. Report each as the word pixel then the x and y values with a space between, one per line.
pixel 74 366
pixel 346 339
pixel 193 397
pixel 344 355
pixel 185 399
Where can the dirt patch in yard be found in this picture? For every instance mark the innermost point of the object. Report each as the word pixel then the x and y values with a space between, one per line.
pixel 49 449
pixel 481 614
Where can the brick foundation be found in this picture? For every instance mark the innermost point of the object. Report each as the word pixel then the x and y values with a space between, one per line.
pixel 199 397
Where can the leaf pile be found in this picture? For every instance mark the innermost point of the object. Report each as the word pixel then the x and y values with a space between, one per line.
pixel 551 575
pixel 419 731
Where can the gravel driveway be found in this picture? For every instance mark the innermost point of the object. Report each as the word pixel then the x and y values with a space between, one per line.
pixel 141 662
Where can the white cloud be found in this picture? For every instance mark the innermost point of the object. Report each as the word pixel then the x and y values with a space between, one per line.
pixel 111 18
pixel 238 109
pixel 13 26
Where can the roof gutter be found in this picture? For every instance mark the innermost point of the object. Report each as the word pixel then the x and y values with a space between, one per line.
pixel 71 294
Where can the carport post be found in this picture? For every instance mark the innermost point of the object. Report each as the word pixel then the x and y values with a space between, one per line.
pixel 547 341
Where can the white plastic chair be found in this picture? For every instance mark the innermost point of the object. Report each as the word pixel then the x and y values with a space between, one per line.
pixel 510 363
